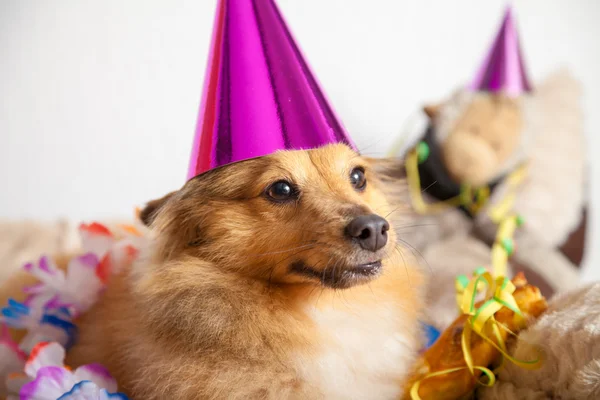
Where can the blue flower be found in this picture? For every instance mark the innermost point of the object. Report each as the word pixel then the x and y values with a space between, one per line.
pixel 87 390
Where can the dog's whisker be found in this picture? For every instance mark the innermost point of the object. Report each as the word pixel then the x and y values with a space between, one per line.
pixel 370 146
pixel 322 286
pixel 333 271
pixel 310 243
pixel 323 276
pixel 290 256
pixel 370 288
pixel 393 211
pixel 402 203
pixel 429 186
pixel 319 287
pixel 311 231
pixel 414 226
pixel 272 269
pixel 270 281
pixel 415 250
pixel 399 251
pixel 333 280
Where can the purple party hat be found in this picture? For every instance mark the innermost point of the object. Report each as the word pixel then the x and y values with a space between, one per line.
pixel 259 93
pixel 503 70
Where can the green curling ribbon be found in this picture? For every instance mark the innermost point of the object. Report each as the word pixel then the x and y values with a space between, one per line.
pixel 422 152
pixel 508 245
pixel 462 281
pixel 480 271
pixel 520 220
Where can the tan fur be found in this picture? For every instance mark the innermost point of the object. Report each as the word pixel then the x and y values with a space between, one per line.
pixel 212 309
pixel 481 141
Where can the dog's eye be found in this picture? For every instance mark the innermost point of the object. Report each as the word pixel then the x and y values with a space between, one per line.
pixel 358 179
pixel 282 191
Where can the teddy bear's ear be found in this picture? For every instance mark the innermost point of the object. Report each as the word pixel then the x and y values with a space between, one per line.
pixel 431 110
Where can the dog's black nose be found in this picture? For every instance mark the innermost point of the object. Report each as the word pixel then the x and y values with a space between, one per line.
pixel 369 230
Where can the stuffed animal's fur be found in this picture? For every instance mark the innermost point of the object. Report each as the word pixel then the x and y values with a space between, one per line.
pixel 550 140
pixel 238 296
pixel 569 336
pixel 543 128
pixel 480 135
pixel 554 193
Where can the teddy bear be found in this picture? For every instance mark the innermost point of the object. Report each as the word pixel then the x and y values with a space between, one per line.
pixel 500 142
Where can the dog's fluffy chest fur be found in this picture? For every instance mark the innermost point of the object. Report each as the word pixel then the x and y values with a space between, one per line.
pixel 365 353
pixel 357 343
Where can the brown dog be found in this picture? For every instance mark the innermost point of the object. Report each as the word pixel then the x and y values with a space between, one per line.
pixel 275 277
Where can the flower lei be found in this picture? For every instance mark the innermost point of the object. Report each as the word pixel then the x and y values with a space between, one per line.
pixel 34 369
pixel 497 288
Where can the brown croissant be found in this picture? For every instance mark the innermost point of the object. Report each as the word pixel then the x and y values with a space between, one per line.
pixel 447 353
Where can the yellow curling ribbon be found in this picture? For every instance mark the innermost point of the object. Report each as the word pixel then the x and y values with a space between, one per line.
pixel 499 211
pixel 462 282
pixel 481 320
pixel 414 186
pixel 473 199
pixel 414 391
pixel 498 289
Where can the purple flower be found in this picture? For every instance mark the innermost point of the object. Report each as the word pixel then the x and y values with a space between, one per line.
pixel 51 380
pixel 78 288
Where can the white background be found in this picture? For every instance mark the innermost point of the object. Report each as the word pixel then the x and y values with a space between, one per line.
pixel 98 99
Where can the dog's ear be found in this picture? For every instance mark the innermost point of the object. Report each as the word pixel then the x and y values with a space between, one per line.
pixel 388 169
pixel 152 208
pixel 391 173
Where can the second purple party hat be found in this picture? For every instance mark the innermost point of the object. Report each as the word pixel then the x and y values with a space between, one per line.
pixel 259 93
pixel 503 70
